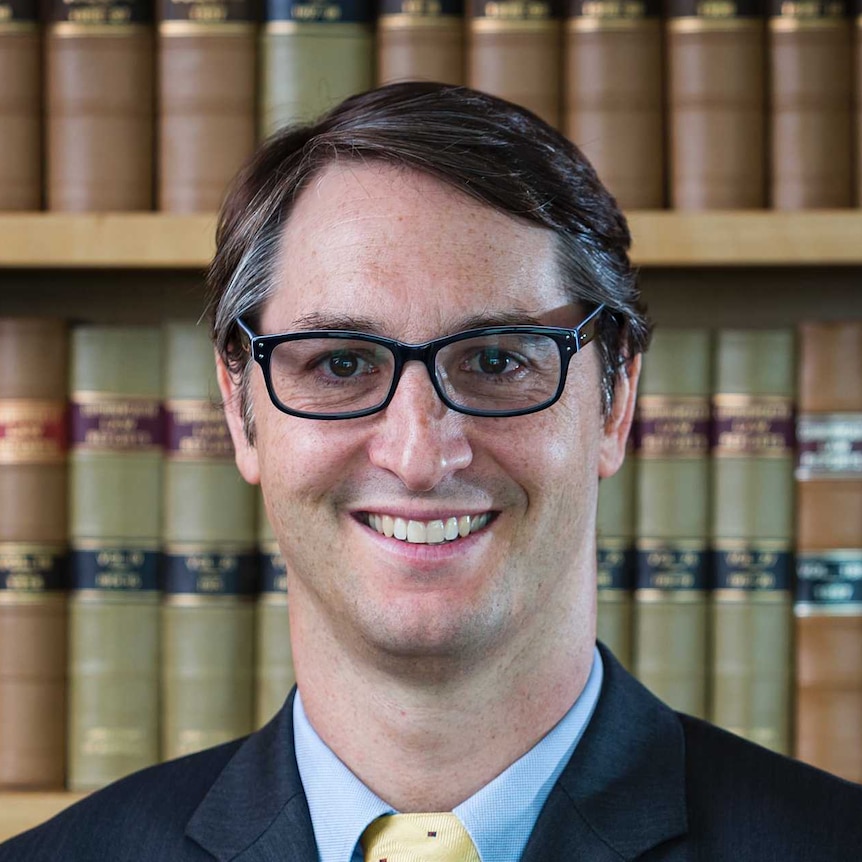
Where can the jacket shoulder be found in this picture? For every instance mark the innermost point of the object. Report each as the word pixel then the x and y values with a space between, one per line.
pixel 742 797
pixel 141 817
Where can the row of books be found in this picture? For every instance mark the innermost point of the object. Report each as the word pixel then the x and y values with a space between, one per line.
pixel 730 545
pixel 143 601
pixel 726 104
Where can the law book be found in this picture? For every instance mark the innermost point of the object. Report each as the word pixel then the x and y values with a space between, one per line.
pixel 828 601
pixel 613 95
pixel 274 674
pixel 99 116
pixel 672 578
pixel 115 472
pixel 809 51
pixel 209 558
pixel 33 455
pixel 615 551
pixel 514 51
pixel 20 105
pixel 313 55
pixel 752 534
pixel 420 40
pixel 716 97
pixel 206 73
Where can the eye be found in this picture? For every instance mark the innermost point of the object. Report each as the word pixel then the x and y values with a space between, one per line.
pixel 347 364
pixel 494 361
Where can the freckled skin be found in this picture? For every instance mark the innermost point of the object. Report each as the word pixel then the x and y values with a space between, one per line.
pixel 512 614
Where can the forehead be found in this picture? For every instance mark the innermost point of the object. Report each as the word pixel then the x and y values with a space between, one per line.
pixel 406 253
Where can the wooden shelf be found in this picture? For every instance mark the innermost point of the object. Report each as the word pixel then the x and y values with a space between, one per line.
pixel 661 239
pixel 21 811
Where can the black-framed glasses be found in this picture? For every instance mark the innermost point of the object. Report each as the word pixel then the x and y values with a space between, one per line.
pixel 492 371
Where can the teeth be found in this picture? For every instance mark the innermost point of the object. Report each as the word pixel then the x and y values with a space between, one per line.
pixel 428 532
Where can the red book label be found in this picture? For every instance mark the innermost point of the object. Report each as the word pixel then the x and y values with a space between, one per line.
pixel 107 423
pixel 196 430
pixel 32 431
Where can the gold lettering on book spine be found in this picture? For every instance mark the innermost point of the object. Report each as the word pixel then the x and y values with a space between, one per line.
pixel 32 431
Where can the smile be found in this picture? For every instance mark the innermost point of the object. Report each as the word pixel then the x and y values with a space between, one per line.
pixel 433 532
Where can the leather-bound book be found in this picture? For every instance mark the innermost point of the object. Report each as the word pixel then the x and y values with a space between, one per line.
pixel 716 97
pixel 99 73
pixel 33 375
pixel 115 485
pixel 209 565
pixel 672 578
pixel 207 54
pixel 809 50
pixel 420 40
pixel 20 106
pixel 274 674
pixel 752 534
pixel 613 95
pixel 828 601
pixel 514 51
pixel 615 550
pixel 313 55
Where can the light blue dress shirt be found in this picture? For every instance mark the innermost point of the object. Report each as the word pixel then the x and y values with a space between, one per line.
pixel 499 817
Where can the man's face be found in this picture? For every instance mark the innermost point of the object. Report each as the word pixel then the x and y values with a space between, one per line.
pixel 369 246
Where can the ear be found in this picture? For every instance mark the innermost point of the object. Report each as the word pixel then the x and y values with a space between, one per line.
pixel 244 452
pixel 619 423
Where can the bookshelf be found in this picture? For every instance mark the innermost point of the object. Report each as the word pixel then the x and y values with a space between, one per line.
pixel 784 266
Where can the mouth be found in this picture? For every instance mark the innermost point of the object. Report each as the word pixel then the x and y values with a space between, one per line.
pixel 434 532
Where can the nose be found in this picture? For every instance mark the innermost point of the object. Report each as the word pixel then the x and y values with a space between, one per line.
pixel 419 439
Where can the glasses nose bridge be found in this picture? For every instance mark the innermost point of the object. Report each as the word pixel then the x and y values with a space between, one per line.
pixel 424 353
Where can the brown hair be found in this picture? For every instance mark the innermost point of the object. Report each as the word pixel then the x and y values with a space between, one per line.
pixel 489 149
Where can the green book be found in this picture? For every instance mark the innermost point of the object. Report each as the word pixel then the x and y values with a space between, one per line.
pixel 615 547
pixel 313 55
pixel 671 589
pixel 114 501
pixel 752 534
pixel 209 575
pixel 274 674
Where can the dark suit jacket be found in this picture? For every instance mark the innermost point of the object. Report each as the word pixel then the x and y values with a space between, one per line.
pixel 644 783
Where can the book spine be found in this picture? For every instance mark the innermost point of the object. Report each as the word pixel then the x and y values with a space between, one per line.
pixel 33 454
pixel 99 105
pixel 207 53
pixel 313 55
pixel 274 673
pixel 114 496
pixel 421 40
pixel 752 535
pixel 716 104
pixel 828 601
pixel 809 48
pixel 514 51
pixel 672 578
pixel 613 94
pixel 210 570
pixel 20 106
pixel 615 547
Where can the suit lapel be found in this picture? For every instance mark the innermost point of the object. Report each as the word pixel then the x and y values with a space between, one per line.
pixel 256 810
pixel 623 791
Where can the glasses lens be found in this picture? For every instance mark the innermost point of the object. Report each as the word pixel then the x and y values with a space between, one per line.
pixel 331 375
pixel 508 372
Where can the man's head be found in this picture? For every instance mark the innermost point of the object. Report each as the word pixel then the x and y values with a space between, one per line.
pixel 414 213
pixel 494 151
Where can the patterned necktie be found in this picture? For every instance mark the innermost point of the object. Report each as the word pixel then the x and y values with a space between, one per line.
pixel 418 838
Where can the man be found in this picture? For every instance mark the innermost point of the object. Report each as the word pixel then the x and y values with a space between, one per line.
pixel 428 339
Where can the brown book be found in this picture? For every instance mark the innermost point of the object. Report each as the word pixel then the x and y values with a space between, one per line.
pixel 810 104
pixel 612 95
pixel 420 40
pixel 513 51
pixel 99 105
pixel 829 549
pixel 20 106
pixel 206 95
pixel 33 446
pixel 716 93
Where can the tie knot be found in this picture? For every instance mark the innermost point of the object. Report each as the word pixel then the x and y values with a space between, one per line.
pixel 418 838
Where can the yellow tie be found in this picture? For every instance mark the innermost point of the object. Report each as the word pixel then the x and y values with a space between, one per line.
pixel 418 838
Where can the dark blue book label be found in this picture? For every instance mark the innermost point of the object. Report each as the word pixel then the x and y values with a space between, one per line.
pixel 210 573
pixel 273 573
pixel 829 581
pixel 32 569
pixel 114 569
pixel 615 567
pixel 751 569
pixel 320 11
pixel 671 568
pixel 100 12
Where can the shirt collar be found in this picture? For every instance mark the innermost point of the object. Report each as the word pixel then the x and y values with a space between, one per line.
pixel 499 817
